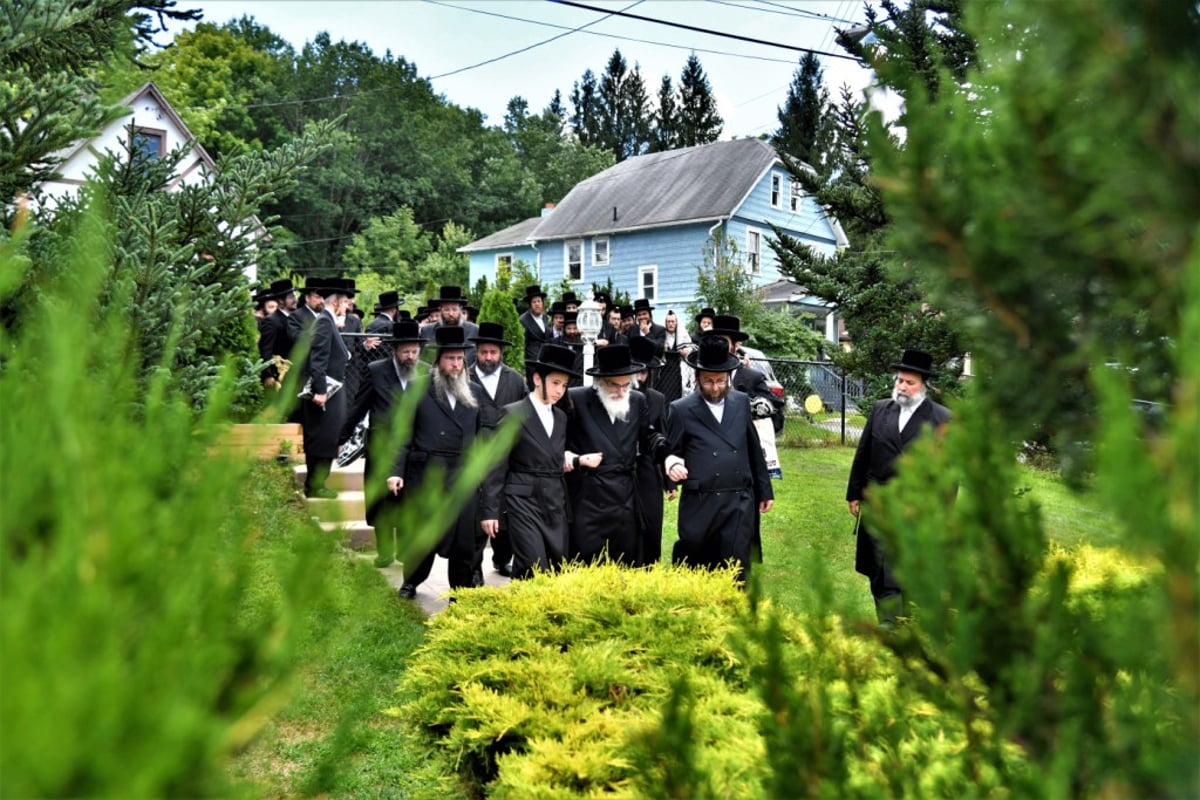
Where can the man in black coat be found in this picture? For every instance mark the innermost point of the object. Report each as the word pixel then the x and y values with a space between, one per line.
pixel 502 385
pixel 611 419
pixel 450 305
pixel 274 339
pixel 891 428
pixel 535 323
pixel 443 429
pixel 716 458
pixel 526 491
pixel 647 327
pixel 323 406
pixel 651 481
pixel 387 379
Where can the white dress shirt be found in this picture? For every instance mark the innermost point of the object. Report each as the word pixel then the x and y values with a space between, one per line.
pixel 545 413
pixel 906 414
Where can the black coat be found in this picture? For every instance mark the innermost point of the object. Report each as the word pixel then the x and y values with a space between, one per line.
pixel 266 347
pixel 881 444
pixel 651 483
pixel 657 334
pixel 510 389
pixel 327 358
pixel 604 500
pixel 727 479
pixel 377 396
pixel 529 491
pixel 535 337
pixel 277 341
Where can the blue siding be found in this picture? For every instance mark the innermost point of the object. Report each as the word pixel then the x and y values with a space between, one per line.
pixel 483 262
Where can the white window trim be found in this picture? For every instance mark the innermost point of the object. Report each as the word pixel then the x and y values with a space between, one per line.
pixel 777 200
pixel 511 260
pixel 649 269
pixel 751 266
pixel 607 250
pixel 795 195
pixel 567 262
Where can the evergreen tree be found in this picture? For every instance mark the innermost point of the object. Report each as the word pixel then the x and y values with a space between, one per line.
pixel 624 109
pixel 586 113
pixel 802 120
pixel 666 119
pixel 699 122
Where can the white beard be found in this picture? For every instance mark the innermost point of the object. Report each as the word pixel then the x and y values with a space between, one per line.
pixel 459 388
pixel 908 402
pixel 618 408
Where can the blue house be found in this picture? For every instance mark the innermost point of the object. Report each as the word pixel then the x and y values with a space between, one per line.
pixel 646 222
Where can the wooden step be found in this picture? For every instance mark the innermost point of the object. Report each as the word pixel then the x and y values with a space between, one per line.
pixel 357 534
pixel 263 441
pixel 348 505
pixel 349 478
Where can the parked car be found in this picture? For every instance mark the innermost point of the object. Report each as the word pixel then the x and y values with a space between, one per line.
pixel 758 360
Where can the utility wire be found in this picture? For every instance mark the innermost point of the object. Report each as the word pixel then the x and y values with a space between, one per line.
pixel 811 13
pixel 682 26
pixel 790 12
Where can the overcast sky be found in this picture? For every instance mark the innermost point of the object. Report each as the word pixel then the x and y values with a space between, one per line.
pixel 453 36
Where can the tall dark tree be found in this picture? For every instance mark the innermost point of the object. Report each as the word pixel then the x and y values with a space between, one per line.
pixel 802 119
pixel 624 109
pixel 585 109
pixel 666 119
pixel 699 122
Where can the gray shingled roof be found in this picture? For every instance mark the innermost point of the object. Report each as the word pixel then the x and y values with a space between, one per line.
pixel 706 182
pixel 512 236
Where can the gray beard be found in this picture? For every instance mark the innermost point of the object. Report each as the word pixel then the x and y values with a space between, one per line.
pixel 908 402
pixel 488 370
pixel 459 388
pixel 615 408
pixel 405 372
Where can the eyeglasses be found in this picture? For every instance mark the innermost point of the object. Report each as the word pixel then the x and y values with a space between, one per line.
pixel 621 387
pixel 713 383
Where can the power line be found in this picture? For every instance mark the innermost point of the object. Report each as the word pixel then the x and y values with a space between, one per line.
pixel 613 35
pixel 723 34
pixel 789 12
pixel 816 14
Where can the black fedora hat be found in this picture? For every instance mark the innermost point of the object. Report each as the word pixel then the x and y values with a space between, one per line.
pixel 314 285
pixel 557 307
pixel 615 360
pixel 260 295
pixel 642 304
pixel 915 361
pixel 603 297
pixel 279 289
pixel 491 333
pixel 707 311
pixel 346 286
pixel 405 331
pixel 554 358
pixel 642 349
pixel 534 291
pixel 626 312
pixel 388 299
pixel 450 294
pixel 712 356
pixel 569 298
pixel 451 337
pixel 727 325
pixel 422 313
pixel 570 318
pixel 404 313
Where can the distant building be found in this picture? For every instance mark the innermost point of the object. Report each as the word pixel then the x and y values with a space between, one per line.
pixel 646 221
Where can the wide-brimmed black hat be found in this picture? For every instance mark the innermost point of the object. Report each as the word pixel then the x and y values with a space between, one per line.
pixel 279 289
pixel 554 358
pixel 491 333
pixel 472 312
pixel 534 291
pixel 404 313
pixel 726 325
pixel 712 356
pixel 557 307
pixel 642 304
pixel 315 285
pixel 615 360
pixel 570 318
pixel 642 349
pixel 915 361
pixel 344 286
pixel 450 294
pixel 707 311
pixel 422 313
pixel 626 312
pixel 405 331
pixel 569 298
pixel 388 299
pixel 261 294
pixel 603 297
pixel 451 337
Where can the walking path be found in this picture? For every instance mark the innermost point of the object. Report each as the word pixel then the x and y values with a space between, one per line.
pixel 347 513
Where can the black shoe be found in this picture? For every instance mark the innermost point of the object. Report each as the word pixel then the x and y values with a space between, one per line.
pixel 477 578
pixel 407 592
pixel 505 570
pixel 324 493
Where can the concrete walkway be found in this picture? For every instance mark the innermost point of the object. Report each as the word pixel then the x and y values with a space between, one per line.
pixel 346 514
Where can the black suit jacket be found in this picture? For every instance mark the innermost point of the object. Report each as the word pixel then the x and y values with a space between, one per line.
pixel 535 337
pixel 510 389
pixel 276 341
pixel 882 442
pixel 439 434
pixel 657 334
pixel 327 356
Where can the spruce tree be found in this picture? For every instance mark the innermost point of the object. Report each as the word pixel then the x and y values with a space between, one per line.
pixel 666 118
pixel 803 115
pixel 586 110
pixel 699 122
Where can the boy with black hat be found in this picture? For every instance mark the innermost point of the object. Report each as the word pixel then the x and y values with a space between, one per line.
pixel 891 428
pixel 527 489
pixel 533 320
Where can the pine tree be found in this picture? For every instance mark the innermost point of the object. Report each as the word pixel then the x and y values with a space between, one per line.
pixel 802 118
pixel 666 118
pixel 699 122
pixel 586 110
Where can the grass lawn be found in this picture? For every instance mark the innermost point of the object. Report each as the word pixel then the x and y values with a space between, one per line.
pixel 339 736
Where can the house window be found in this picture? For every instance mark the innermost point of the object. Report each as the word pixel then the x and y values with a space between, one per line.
pixel 648 282
pixel 573 261
pixel 797 195
pixel 149 144
pixel 600 251
pixel 753 251
pixel 504 262
pixel 776 190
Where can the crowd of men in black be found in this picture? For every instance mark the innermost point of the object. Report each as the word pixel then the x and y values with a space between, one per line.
pixel 592 465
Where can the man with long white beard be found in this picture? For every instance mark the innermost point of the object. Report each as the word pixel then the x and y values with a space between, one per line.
pixel 610 419
pixel 715 457
pixel 443 428
pixel 891 427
